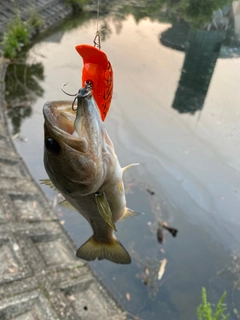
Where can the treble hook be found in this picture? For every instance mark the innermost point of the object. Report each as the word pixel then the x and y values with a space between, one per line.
pixel 88 85
pixel 69 94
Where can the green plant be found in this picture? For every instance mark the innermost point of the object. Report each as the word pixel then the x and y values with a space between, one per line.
pixel 17 35
pixel 76 5
pixel 34 21
pixel 204 311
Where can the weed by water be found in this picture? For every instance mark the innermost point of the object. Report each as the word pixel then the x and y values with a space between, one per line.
pixel 16 36
pixel 77 5
pixel 19 33
pixel 205 312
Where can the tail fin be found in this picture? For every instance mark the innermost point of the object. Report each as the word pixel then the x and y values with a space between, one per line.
pixel 113 251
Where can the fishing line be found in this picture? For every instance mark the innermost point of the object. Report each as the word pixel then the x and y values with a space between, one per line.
pixel 97 40
pixel 97 14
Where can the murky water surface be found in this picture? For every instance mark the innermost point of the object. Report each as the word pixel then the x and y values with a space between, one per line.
pixel 176 115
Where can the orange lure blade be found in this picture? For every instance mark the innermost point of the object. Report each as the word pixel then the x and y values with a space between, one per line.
pixel 98 70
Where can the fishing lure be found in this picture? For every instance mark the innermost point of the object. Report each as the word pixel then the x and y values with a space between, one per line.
pixel 97 72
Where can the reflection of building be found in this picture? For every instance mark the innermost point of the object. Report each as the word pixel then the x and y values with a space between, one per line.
pixel 236 14
pixel 175 37
pixel 202 51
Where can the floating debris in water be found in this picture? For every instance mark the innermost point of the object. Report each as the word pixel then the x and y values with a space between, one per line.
pixel 162 268
pixel 160 236
pixel 15 135
pixel 161 226
pixel 128 297
pixel 150 192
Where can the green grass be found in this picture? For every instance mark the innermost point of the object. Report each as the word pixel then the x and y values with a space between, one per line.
pixel 19 33
pixel 205 312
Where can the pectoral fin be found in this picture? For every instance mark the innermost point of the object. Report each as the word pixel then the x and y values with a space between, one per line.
pixel 129 214
pixel 113 251
pixel 48 183
pixel 67 204
pixel 104 209
pixel 129 166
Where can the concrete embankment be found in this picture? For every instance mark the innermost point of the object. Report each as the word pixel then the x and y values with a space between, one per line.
pixel 40 278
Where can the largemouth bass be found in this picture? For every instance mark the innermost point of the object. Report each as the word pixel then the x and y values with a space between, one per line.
pixel 81 163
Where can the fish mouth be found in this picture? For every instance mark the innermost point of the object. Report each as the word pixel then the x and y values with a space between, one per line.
pixel 77 124
pixel 60 117
pixel 59 125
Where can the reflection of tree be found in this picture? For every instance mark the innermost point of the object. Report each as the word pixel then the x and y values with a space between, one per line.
pixel 117 22
pixel 206 14
pixel 22 89
pixel 105 30
pixel 196 13
pixel 17 114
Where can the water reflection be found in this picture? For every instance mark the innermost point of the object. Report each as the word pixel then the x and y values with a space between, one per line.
pixel 200 33
pixel 201 54
pixel 202 48
pixel 22 89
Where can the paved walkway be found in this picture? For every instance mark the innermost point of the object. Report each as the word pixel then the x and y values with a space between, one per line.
pixel 40 278
pixel 51 11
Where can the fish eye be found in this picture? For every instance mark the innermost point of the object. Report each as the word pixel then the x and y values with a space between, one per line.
pixel 52 146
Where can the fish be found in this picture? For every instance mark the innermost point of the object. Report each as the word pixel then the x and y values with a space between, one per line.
pixel 80 160
pixel 97 71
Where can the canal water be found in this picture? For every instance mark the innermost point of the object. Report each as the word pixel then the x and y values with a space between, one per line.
pixel 175 112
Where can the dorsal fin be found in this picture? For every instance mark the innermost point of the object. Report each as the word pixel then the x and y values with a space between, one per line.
pixel 129 166
pixel 48 183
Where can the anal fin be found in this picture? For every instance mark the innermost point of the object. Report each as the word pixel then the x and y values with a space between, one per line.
pixel 113 251
pixel 104 209
pixel 129 214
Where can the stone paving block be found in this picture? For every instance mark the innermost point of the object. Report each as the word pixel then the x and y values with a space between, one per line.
pixel 4 142
pixel 10 154
pixel 11 168
pixel 4 207
pixel 30 306
pixel 88 299
pixel 31 207
pixel 19 286
pixel 46 246
pixel 65 277
pixel 7 212
pixel 13 265
pixel 2 216
pixel 54 252
pixel 17 185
